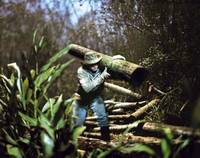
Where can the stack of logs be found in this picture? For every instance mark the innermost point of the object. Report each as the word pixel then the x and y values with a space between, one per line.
pixel 126 120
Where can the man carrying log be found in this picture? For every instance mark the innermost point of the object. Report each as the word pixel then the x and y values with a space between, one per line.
pixel 91 83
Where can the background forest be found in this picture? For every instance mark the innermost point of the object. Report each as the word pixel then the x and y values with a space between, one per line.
pixel 163 36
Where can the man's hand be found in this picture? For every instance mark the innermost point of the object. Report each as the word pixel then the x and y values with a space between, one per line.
pixel 105 74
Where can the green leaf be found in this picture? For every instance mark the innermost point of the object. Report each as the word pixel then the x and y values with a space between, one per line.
pixel 46 125
pixel 14 151
pixel 34 36
pixel 48 144
pixel 19 84
pixel 30 120
pixel 49 104
pixel 137 148
pixel 58 71
pixel 55 110
pixel 165 148
pixel 55 58
pixel 41 42
pixel 44 76
pixel 76 133
pixel 168 133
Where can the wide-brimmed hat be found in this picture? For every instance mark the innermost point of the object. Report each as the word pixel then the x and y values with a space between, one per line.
pixel 91 58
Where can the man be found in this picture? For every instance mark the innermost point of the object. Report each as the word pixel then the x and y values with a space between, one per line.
pixel 91 83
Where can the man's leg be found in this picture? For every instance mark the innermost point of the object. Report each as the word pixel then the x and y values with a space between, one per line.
pixel 79 114
pixel 99 110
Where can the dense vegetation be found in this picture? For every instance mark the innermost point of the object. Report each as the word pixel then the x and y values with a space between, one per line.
pixel 160 35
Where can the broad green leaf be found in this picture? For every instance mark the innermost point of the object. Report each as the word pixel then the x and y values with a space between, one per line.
pixel 49 104
pixel 137 148
pixel 76 133
pixel 48 144
pixel 14 151
pixel 55 109
pixel 165 148
pixel 43 77
pixel 46 125
pixel 55 58
pixel 61 123
pixel 168 133
pixel 30 120
pixel 57 73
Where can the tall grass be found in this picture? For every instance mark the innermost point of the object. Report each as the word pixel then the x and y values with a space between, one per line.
pixel 33 124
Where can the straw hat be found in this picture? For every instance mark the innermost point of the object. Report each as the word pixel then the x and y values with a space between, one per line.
pixel 91 58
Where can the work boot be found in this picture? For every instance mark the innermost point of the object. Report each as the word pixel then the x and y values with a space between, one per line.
pixel 105 133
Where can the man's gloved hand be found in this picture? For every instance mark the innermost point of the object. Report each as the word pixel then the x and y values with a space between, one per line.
pixel 118 57
pixel 105 74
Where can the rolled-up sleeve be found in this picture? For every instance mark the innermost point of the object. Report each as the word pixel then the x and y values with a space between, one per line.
pixel 86 83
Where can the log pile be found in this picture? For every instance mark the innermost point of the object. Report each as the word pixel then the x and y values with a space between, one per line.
pixel 126 119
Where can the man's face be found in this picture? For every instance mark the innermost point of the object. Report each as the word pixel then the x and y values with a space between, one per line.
pixel 94 67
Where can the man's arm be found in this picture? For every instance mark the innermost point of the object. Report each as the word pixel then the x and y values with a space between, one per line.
pixel 89 85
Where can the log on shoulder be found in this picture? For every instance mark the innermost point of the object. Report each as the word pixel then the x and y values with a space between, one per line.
pixel 121 69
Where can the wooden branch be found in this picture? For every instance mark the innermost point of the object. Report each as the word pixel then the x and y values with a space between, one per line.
pixel 156 127
pixel 128 105
pixel 134 115
pixel 91 123
pixel 128 139
pixel 177 130
pixel 143 109
pixel 122 90
pixel 122 69
pixel 92 143
pixel 118 111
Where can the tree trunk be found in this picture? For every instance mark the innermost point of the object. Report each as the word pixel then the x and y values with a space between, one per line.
pixel 121 69
pixel 177 130
pixel 155 127
pixel 122 90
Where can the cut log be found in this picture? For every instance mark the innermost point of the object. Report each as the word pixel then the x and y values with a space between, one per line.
pixel 143 109
pixel 91 123
pixel 122 90
pixel 155 127
pixel 128 138
pixel 133 116
pixel 118 111
pixel 122 69
pixel 128 105
pixel 177 130
pixel 92 143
